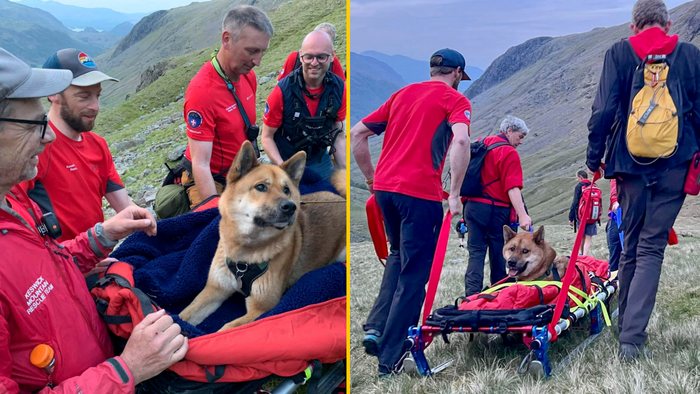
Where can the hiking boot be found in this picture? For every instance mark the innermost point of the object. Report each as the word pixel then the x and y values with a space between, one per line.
pixel 629 352
pixel 371 342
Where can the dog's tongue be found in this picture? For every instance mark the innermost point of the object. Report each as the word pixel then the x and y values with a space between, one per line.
pixel 512 272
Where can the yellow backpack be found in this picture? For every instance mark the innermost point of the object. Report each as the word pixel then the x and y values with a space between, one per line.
pixel 652 126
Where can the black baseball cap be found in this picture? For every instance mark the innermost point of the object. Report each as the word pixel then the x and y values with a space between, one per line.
pixel 450 58
pixel 84 69
pixel 18 80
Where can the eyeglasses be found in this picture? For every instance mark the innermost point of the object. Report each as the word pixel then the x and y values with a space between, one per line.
pixel 41 123
pixel 308 58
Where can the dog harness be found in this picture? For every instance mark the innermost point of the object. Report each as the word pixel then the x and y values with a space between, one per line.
pixel 247 273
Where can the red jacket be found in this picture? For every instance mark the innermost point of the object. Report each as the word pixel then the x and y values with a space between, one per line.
pixel 613 194
pixel 500 172
pixel 44 300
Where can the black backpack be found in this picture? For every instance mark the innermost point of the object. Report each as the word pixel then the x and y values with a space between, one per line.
pixel 471 186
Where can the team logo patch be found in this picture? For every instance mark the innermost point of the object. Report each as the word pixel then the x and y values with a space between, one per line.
pixel 468 115
pixel 85 60
pixel 267 108
pixel 194 119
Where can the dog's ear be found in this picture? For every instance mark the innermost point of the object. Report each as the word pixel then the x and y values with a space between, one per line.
pixel 244 162
pixel 508 233
pixel 539 235
pixel 294 167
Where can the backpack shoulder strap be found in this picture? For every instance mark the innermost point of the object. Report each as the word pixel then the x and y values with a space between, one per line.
pixel 496 145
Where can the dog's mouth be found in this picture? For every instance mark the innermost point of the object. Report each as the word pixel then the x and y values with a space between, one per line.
pixel 278 224
pixel 513 272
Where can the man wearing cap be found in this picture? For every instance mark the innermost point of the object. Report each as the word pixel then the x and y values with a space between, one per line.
pixel 419 121
pixel 43 299
pixel 306 110
pixel 77 170
pixel 220 103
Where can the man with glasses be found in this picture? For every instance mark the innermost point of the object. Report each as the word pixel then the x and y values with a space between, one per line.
pixel 306 110
pixel 43 298
pixel 77 170
pixel 293 61
pixel 220 103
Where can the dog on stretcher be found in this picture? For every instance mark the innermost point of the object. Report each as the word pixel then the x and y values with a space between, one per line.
pixel 529 257
pixel 268 239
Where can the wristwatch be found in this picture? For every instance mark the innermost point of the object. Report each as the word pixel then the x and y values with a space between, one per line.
pixel 104 241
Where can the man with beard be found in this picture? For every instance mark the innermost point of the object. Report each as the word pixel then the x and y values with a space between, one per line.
pixel 76 171
pixel 306 110
pixel 420 121
pixel 220 103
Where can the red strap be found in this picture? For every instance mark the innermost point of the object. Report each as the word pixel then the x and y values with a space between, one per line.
pixel 376 229
pixel 438 261
pixel 562 299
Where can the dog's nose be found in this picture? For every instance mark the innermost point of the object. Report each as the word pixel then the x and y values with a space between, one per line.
pixel 288 207
pixel 512 263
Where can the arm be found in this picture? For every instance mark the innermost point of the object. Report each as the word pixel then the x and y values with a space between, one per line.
pixel 201 158
pixel 460 155
pixel 339 145
pixel 269 145
pixel 603 115
pixel 119 199
pixel 516 199
pixel 359 136
pixel 613 195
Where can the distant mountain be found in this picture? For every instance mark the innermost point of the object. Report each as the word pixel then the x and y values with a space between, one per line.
pixel 74 17
pixel 373 81
pixel 33 35
pixel 165 34
pixel 122 29
pixel 413 70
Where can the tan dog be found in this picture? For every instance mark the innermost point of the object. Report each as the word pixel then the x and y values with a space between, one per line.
pixel 529 257
pixel 262 220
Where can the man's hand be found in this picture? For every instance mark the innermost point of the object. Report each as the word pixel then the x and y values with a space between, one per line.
pixel 525 222
pixel 101 266
pixel 154 345
pixel 455 204
pixel 128 221
pixel 571 223
pixel 615 206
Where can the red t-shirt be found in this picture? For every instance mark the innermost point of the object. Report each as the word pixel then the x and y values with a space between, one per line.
pixel 292 59
pixel 500 172
pixel 272 116
pixel 72 179
pixel 212 115
pixel 417 120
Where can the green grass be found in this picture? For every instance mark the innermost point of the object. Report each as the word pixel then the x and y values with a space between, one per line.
pixel 487 366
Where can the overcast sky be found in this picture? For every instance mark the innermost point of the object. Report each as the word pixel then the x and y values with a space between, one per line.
pixel 480 30
pixel 130 6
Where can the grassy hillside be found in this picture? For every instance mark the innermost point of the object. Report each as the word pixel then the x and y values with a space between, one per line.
pixel 181 30
pixel 153 116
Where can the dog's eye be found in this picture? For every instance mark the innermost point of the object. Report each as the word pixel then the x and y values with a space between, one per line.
pixel 525 251
pixel 286 190
pixel 261 187
pixel 512 249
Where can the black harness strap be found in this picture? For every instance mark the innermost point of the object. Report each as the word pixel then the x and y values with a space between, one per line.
pixel 247 273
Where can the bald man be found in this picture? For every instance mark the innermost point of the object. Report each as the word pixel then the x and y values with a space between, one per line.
pixel 306 110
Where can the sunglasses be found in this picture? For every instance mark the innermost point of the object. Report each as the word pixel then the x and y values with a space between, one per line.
pixel 41 123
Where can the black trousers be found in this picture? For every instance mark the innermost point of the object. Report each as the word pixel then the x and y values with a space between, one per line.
pixel 412 225
pixel 485 229
pixel 650 205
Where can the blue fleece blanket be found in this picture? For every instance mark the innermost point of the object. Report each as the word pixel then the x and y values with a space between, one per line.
pixel 172 267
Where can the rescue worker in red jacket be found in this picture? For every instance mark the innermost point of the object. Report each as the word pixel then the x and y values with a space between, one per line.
pixel 502 177
pixel 43 298
pixel 293 61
